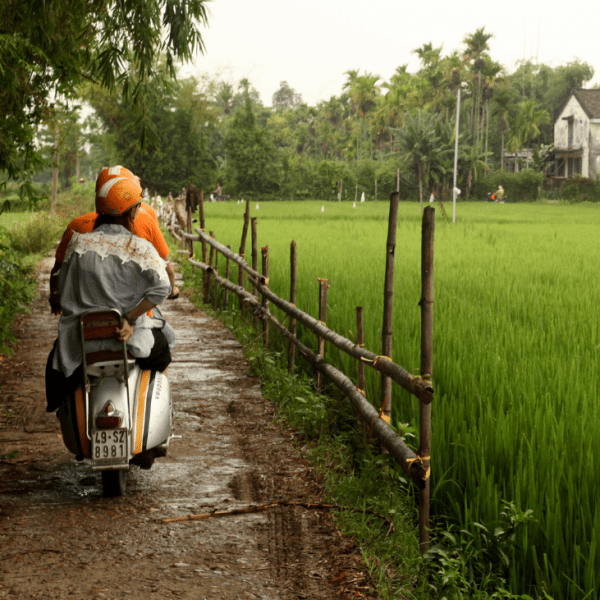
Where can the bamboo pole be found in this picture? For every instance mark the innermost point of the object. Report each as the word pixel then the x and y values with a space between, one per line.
pixel 323 286
pixel 360 342
pixel 205 276
pixel 243 249
pixel 414 385
pixel 226 301
pixel 388 303
pixel 209 272
pixel 216 286
pixel 265 303
pixel 254 231
pixel 426 303
pixel 292 329
pixel 360 376
pixel 188 228
pixel 403 455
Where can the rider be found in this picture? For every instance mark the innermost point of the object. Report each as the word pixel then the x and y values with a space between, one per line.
pixel 110 268
pixel 146 227
pixel 499 193
pixel 217 192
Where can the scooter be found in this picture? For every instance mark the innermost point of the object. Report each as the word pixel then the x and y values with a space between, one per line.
pixel 120 414
pixel 491 197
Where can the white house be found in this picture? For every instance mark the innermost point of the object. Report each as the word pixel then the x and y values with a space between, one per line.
pixel 577 135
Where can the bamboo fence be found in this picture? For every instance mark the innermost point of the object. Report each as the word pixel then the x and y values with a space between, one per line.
pixel 416 466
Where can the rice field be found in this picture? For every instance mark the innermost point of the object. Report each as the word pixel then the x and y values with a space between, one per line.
pixel 516 355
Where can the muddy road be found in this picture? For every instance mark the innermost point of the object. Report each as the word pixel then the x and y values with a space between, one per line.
pixel 60 538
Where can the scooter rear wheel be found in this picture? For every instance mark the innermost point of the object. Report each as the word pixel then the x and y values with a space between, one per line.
pixel 114 482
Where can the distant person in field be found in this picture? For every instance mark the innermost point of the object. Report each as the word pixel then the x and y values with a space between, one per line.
pixel 216 193
pixel 499 193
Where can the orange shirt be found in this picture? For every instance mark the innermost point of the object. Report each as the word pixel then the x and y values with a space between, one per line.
pixel 146 226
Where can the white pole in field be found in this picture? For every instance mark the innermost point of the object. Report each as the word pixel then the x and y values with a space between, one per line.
pixel 455 156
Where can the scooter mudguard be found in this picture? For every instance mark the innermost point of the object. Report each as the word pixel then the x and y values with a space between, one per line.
pixel 149 424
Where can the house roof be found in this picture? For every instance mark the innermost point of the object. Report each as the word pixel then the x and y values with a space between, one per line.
pixel 589 100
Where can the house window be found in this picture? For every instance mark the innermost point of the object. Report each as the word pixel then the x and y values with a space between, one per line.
pixel 570 126
pixel 573 166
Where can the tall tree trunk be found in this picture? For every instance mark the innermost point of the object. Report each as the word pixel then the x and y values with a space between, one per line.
pixel 54 176
pixel 421 186
pixel 487 128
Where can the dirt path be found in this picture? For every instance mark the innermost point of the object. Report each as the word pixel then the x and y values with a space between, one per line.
pixel 60 538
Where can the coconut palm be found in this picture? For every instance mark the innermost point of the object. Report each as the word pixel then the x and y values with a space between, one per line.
pixel 525 126
pixel 476 54
pixel 421 143
pixel 363 90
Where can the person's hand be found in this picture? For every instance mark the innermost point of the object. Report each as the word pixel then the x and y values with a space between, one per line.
pixel 55 308
pixel 174 294
pixel 125 332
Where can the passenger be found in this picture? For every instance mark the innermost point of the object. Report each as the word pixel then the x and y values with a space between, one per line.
pixel 110 268
pixel 147 227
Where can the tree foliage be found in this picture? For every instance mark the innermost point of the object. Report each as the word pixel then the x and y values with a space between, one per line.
pixel 48 50
pixel 250 153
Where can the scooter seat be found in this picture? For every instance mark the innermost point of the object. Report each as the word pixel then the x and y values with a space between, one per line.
pixel 92 358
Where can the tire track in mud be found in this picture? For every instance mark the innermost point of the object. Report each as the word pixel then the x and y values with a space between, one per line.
pixel 60 538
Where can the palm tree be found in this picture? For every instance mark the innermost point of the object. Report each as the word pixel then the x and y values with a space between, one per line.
pixel 475 54
pixel 423 147
pixel 363 90
pixel 525 126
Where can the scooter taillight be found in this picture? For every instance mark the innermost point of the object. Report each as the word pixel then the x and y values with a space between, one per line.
pixel 108 417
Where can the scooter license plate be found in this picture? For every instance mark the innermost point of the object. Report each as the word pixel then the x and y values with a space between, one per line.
pixel 109 447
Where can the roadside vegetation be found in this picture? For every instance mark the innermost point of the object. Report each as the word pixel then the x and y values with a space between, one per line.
pixel 27 233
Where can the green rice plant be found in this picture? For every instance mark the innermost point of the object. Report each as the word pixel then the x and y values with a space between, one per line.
pixel 516 343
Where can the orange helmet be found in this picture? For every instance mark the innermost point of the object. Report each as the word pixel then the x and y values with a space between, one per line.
pixel 117 196
pixel 107 173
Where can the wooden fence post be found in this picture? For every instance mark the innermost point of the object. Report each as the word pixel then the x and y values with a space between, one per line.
pixel 360 341
pixel 265 303
pixel 226 301
pixel 426 366
pixel 243 251
pixel 208 273
pixel 188 229
pixel 360 375
pixel 205 275
pixel 388 303
pixel 292 328
pixel 253 228
pixel 216 271
pixel 323 285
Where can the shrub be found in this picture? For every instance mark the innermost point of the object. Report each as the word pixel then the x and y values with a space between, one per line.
pixel 36 235
pixel 16 288
pixel 580 189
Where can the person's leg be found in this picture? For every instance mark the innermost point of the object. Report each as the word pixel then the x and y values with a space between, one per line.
pixel 59 387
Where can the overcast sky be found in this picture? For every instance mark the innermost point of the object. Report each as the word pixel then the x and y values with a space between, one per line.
pixel 311 43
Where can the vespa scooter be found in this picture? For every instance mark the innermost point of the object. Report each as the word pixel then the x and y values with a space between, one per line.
pixel 120 414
